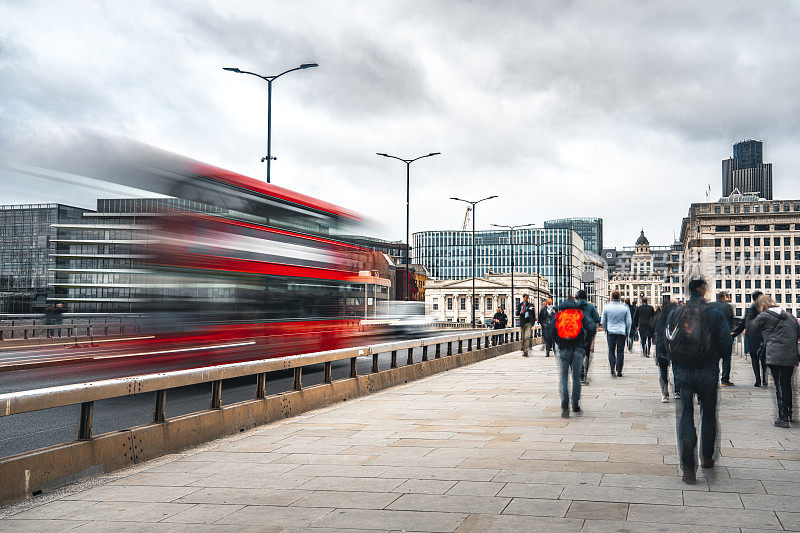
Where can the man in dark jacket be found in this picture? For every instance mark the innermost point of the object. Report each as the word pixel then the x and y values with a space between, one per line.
pixel 594 317
pixel 696 373
pixel 570 352
pixel 632 332
pixel 499 321
pixel 643 320
pixel 662 358
pixel 546 314
pixel 726 309
pixel 526 316
pixel 752 342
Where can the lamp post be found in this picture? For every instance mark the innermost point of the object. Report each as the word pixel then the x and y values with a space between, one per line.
pixel 408 185
pixel 511 242
pixel 473 204
pixel 269 79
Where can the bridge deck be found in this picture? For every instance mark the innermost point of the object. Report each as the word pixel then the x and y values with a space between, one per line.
pixel 480 448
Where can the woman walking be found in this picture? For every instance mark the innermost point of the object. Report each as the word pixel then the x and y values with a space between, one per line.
pixel 780 332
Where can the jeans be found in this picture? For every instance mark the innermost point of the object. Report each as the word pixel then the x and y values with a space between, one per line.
pixel 570 357
pixel 726 367
pixel 616 351
pixel 587 349
pixel 782 375
pixel 527 336
pixel 549 342
pixel 647 342
pixel 704 383
pixel 663 374
pixel 758 358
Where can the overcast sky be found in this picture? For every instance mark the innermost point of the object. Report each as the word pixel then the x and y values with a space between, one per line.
pixel 621 110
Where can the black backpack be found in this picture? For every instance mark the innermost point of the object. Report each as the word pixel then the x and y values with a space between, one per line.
pixel 688 335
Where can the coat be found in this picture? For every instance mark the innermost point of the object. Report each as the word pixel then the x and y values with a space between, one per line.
pixel 752 341
pixel 644 319
pixel 780 332
pixel 587 326
pixel 501 320
pixel 526 313
pixel 616 318
pixel 727 311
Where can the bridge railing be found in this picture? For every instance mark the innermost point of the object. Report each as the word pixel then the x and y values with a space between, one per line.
pixel 71 325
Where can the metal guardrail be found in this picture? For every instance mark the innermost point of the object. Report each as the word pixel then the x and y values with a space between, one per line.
pixel 88 393
pixel 33 329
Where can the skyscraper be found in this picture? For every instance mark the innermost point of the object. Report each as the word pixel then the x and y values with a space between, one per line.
pixel 590 230
pixel 747 171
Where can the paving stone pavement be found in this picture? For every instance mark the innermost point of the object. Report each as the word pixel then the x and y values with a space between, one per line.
pixel 479 448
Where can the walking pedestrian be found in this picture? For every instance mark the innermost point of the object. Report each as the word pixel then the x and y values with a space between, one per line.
pixel 546 315
pixel 590 311
pixel 569 329
pixel 725 308
pixel 632 333
pixel 499 321
pixel 616 322
pixel 643 320
pixel 779 331
pixel 662 358
pixel 697 337
pixel 752 342
pixel 526 316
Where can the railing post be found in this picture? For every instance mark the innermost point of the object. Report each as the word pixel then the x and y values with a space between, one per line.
pixel 298 378
pixel 353 370
pixel 438 354
pixel 216 394
pixel 85 429
pixel 410 360
pixel 469 345
pixel 425 352
pixel 158 413
pixel 460 346
pixel 374 363
pixel 327 377
pixel 393 364
pixel 261 385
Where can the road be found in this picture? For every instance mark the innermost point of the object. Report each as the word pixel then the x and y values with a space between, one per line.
pixel 29 431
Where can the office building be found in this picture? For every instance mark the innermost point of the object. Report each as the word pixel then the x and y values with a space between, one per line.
pixel 746 170
pixel 448 300
pixel 595 280
pixel 743 244
pixel 641 277
pixel 555 253
pixel 590 230
pixel 29 248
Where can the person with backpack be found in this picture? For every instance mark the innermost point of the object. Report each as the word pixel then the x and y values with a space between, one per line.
pixel 780 332
pixel 723 305
pixel 697 336
pixel 642 320
pixel 662 359
pixel 752 342
pixel 616 322
pixel 569 330
pixel 526 315
pixel 546 315
pixel 590 311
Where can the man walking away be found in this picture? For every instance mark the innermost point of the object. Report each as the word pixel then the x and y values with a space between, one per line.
pixel 752 342
pixel 546 314
pixel 725 308
pixel 590 311
pixel 632 332
pixel 780 332
pixel 643 320
pixel 697 337
pixel 662 359
pixel 499 321
pixel 616 322
pixel 569 329
pixel 525 315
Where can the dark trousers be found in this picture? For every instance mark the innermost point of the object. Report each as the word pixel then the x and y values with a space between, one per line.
pixel 726 366
pixel 647 341
pixel 759 360
pixel 782 376
pixel 549 341
pixel 616 351
pixel 702 382
pixel 663 374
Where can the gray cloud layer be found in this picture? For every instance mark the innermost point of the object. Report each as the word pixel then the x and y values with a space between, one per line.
pixel 614 109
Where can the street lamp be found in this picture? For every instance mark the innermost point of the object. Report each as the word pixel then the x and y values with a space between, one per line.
pixel 269 79
pixel 408 185
pixel 473 204
pixel 511 241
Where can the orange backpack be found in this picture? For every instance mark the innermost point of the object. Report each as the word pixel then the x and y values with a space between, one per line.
pixel 569 323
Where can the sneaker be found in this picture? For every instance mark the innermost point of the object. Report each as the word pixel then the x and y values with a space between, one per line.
pixel 727 383
pixel 758 384
pixel 565 413
pixel 576 408
pixel 689 475
pixel 781 423
pixel 665 399
pixel 619 374
pixel 585 381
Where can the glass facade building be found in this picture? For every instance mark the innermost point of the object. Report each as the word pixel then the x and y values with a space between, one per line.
pixel 557 253
pixel 29 248
pixel 590 230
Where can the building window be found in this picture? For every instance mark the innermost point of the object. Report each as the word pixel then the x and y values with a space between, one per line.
pixel 435 303
pixel 476 303
pixel 502 302
pixel 488 303
pixel 463 303
pixel 719 283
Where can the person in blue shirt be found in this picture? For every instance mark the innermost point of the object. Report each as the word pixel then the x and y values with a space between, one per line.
pixel 616 322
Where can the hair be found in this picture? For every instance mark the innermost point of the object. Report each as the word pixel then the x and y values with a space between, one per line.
pixel 756 296
pixel 615 296
pixel 580 295
pixel 524 295
pixel 765 302
pixel 721 295
pixel 644 300
pixel 627 301
pixel 696 285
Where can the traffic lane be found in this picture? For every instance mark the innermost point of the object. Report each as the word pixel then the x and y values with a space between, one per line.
pixel 37 429
pixel 99 369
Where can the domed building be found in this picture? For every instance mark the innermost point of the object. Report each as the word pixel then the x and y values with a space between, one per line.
pixel 642 279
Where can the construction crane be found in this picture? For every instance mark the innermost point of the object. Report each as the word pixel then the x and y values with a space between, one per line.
pixel 466 218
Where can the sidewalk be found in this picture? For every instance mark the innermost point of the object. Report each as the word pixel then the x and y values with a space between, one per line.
pixel 479 448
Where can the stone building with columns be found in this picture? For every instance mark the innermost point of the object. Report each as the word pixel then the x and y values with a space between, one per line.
pixel 642 279
pixel 449 300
